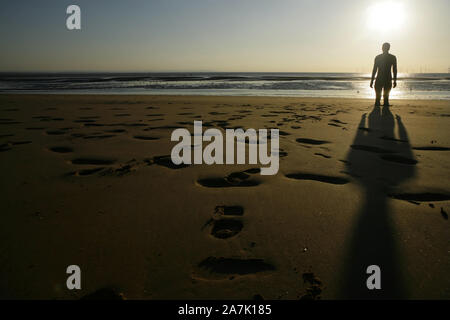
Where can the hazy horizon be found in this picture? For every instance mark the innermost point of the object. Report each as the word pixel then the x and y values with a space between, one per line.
pixel 224 36
pixel 367 74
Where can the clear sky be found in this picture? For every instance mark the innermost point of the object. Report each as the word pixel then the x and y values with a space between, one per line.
pixel 224 35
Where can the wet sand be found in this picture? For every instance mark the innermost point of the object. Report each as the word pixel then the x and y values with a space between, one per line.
pixel 87 180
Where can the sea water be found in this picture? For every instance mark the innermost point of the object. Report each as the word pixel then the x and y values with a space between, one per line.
pixel 339 85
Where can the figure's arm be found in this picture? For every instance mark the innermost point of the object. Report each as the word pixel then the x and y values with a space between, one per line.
pixel 374 71
pixel 394 70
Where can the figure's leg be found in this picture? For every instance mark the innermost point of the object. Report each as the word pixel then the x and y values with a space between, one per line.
pixel 378 89
pixel 386 91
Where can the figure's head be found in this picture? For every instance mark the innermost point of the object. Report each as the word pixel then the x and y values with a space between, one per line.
pixel 386 46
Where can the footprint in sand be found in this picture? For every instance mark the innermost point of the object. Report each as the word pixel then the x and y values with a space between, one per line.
pixel 235 179
pixel 385 154
pixel 314 288
pixel 99 136
pixel 141 137
pixel 85 172
pixel 132 124
pixel 160 128
pixel 89 117
pixel 84 121
pixel 55 132
pixel 61 149
pixel 421 196
pixel 311 141
pixel 398 159
pixel 15 143
pixel 338 121
pixel 318 177
pixel 215 113
pixel 118 170
pixel 226 222
pixel 281 153
pixel 116 131
pixel 8 145
pixel 94 124
pixel 334 125
pixel 9 122
pixel 431 148
pixel 365 129
pixel 5 147
pixel 368 148
pixel 123 169
pixel 155 115
pixel 165 161
pixel 322 155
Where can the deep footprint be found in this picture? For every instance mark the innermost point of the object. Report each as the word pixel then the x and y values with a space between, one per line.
pixel 370 148
pixel 311 141
pixel 235 179
pixel 318 177
pixel 145 138
pixel 103 136
pixel 226 228
pixel 398 159
pixel 431 148
pixel 322 155
pixel 5 147
pixel 226 183
pixel 421 197
pixel 61 149
pixel 55 132
pixel 166 161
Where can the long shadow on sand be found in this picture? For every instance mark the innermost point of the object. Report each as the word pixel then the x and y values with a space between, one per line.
pixel 378 161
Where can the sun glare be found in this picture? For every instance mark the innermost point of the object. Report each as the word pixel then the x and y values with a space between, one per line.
pixel 386 16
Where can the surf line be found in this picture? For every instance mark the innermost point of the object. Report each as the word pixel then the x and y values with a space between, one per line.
pixel 213 153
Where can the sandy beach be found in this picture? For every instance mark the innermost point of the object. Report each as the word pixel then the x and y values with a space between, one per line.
pixel 87 180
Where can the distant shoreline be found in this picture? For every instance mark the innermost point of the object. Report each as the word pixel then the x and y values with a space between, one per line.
pixel 431 86
pixel 166 96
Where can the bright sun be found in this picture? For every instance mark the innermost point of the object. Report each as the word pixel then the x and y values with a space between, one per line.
pixel 386 16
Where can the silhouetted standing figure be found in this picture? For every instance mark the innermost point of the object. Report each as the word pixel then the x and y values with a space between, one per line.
pixel 382 67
